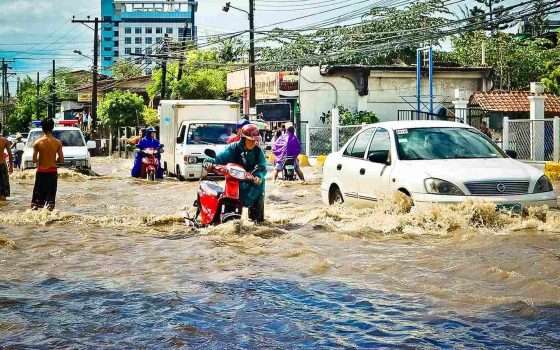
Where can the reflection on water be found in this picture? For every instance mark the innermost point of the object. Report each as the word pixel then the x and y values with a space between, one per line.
pixel 114 266
pixel 257 313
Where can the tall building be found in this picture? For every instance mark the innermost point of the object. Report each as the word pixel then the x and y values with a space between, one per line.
pixel 139 26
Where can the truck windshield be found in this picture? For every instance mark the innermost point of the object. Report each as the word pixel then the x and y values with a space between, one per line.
pixel 69 138
pixel 209 133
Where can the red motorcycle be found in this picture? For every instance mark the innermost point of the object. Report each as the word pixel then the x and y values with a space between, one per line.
pixel 216 205
pixel 150 164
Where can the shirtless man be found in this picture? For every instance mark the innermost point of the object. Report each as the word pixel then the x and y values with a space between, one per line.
pixel 5 170
pixel 45 152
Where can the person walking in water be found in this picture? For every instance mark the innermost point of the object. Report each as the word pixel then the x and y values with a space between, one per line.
pixel 5 169
pixel 47 150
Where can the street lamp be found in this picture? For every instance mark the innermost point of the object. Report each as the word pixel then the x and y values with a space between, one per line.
pixel 250 13
pixel 81 54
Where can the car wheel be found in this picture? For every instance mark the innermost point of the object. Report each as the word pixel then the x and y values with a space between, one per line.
pixel 335 196
pixel 403 201
pixel 179 175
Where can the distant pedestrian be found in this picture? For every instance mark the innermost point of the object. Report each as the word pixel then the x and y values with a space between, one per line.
pixel 484 129
pixel 47 150
pixel 5 170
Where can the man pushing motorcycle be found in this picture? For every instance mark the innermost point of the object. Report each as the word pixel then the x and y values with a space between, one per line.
pixel 247 153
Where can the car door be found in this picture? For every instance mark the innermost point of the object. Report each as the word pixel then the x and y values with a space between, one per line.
pixel 374 181
pixel 179 145
pixel 349 164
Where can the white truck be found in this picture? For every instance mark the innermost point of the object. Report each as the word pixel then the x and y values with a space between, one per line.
pixel 189 127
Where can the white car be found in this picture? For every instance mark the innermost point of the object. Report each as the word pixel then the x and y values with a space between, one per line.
pixel 74 147
pixel 431 162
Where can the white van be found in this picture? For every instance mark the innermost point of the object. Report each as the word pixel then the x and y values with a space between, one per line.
pixel 189 127
pixel 74 147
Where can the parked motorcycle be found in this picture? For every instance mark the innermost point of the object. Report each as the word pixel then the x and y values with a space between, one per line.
pixel 216 205
pixel 289 169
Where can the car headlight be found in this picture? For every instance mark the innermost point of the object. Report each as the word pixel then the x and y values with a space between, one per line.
pixel 190 159
pixel 543 185
pixel 438 186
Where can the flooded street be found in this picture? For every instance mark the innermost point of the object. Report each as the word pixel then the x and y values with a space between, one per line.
pixel 114 267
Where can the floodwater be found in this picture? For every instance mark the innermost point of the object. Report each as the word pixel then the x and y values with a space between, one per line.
pixel 114 267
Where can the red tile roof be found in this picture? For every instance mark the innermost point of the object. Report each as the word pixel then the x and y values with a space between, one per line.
pixel 512 101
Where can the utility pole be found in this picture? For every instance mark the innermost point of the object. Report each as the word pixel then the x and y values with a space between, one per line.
pixel 4 74
pixel 164 68
pixel 37 97
pixel 183 41
pixel 53 86
pixel 252 84
pixel 96 22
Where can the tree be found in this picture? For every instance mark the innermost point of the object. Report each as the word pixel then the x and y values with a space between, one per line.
pixel 537 22
pixel 124 69
pixel 121 108
pixel 489 15
pixel 150 116
pixel 231 50
pixel 26 104
pixel 516 62
pixel 204 77
pixel 551 79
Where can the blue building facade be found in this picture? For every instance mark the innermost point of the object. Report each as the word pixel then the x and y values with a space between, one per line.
pixel 139 26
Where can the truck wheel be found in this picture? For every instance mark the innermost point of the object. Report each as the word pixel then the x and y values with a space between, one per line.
pixel 179 175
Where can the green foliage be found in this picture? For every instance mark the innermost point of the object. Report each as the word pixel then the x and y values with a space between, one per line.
pixel 486 13
pixel 204 77
pixel 123 69
pixel 231 50
pixel 121 108
pixel 551 78
pixel 150 116
pixel 516 62
pixel 373 41
pixel 25 108
pixel 349 117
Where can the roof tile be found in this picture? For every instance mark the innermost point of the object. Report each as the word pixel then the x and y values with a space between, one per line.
pixel 512 101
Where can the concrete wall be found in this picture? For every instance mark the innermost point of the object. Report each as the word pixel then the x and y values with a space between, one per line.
pixel 389 91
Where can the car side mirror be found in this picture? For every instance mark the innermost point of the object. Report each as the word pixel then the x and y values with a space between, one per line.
pixel 511 153
pixel 91 145
pixel 210 153
pixel 179 140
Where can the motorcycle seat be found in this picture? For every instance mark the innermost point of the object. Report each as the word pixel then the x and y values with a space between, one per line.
pixel 211 187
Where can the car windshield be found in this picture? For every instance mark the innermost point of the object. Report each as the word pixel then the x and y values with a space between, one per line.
pixel 209 133
pixel 69 138
pixel 444 143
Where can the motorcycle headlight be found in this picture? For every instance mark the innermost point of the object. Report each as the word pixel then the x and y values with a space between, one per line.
pixel 543 185
pixel 238 174
pixel 438 186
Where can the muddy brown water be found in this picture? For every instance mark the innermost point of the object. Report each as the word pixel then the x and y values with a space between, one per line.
pixel 311 277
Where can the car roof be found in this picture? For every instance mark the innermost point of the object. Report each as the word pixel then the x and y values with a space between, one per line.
pixel 411 124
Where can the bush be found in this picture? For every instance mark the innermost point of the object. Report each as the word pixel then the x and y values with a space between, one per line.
pixel 348 117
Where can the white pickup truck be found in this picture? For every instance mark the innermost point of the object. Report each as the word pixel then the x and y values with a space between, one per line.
pixel 189 127
pixel 74 147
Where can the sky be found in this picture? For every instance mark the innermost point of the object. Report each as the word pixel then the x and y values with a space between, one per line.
pixel 33 32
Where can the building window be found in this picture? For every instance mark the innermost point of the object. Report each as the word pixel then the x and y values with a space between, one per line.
pixel 158 40
pixel 138 30
pixel 148 51
pixel 137 50
pixel 116 54
pixel 107 18
pixel 127 51
pixel 138 40
pixel 128 30
pixel 116 43
pixel 148 30
pixel 148 41
pixel 107 38
pixel 107 49
pixel 148 61
pixel 128 40
pixel 116 33
pixel 159 30
pixel 169 30
pixel 108 58
pixel 108 29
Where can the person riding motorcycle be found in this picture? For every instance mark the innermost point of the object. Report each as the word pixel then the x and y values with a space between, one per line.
pixel 148 141
pixel 247 153
pixel 287 146
pixel 237 136
pixel 17 150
